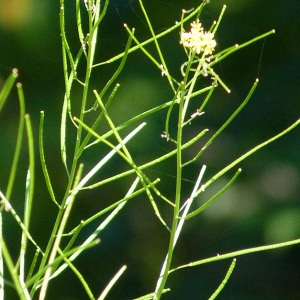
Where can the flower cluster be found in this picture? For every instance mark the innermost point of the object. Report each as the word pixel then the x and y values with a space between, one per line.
pixel 198 40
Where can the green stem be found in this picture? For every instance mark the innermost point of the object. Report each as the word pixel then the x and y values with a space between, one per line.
pixel 167 263
pixel 237 253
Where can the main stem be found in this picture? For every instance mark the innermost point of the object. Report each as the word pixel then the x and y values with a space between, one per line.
pixel 167 263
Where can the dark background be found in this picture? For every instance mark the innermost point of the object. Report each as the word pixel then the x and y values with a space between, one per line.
pixel 261 207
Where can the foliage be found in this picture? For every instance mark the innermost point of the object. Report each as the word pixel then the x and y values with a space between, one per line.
pixel 62 249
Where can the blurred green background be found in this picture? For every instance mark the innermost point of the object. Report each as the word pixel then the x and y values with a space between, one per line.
pixel 262 207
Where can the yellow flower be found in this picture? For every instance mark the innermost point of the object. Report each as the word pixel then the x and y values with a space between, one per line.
pixel 198 40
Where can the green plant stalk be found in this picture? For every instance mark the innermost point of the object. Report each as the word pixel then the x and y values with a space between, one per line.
pixel 215 197
pixel 225 280
pixel 237 253
pixel 43 161
pixel 68 84
pixel 94 21
pixel 8 85
pixel 66 110
pixel 79 26
pixel 112 283
pixel 205 101
pixel 186 206
pixel 21 290
pixel 226 52
pixel 10 209
pixel 16 158
pixel 185 83
pixel 166 265
pixel 216 26
pixel 163 64
pixel 191 88
pixel 219 80
pixel 96 124
pixel 28 197
pixel 169 115
pixel 33 264
pixel 78 274
pixel 74 234
pixel 66 49
pixel 24 239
